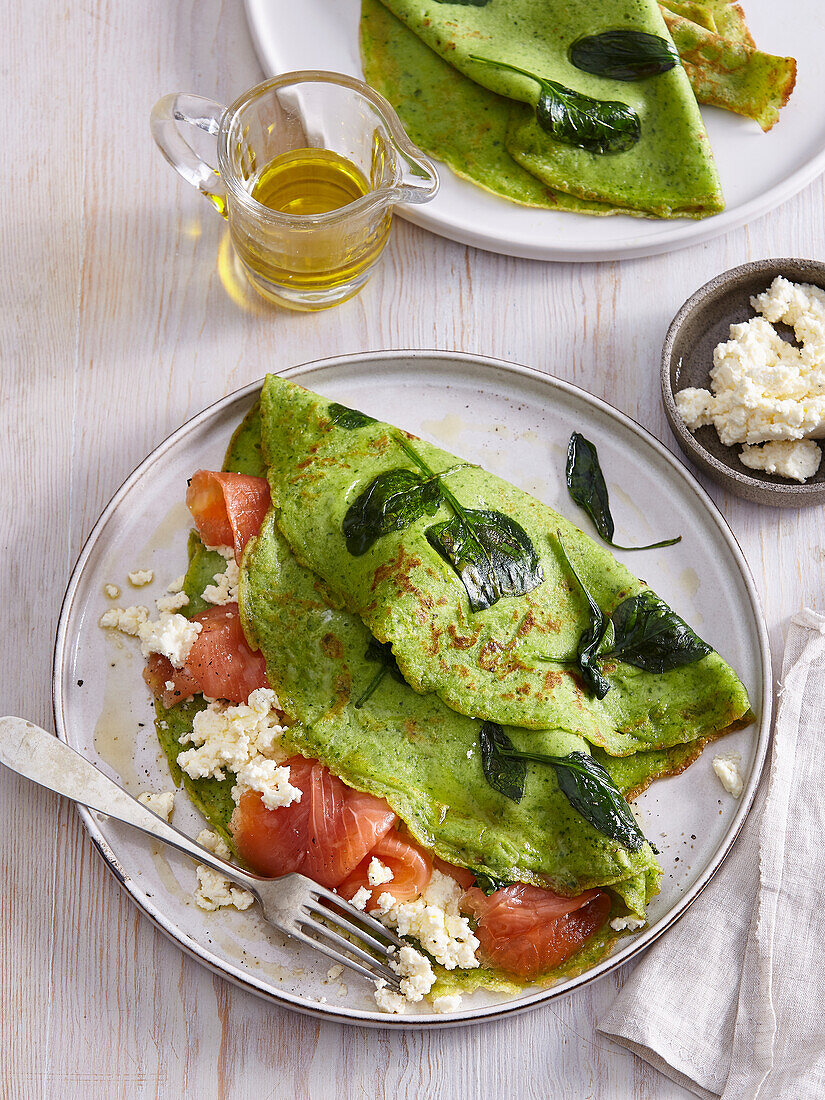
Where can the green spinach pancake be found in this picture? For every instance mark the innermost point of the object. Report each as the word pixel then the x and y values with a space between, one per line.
pixel 364 596
pixel 496 90
pixel 482 591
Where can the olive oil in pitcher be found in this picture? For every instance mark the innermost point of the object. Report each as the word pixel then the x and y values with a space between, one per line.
pixel 305 183
pixel 306 226
pixel 309 181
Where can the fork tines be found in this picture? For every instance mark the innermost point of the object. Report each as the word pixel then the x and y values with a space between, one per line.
pixel 359 929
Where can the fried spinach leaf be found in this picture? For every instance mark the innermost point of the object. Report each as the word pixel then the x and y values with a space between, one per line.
pixel 344 417
pixel 391 502
pixel 587 487
pixel 488 884
pixel 504 772
pixel 590 642
pixel 597 125
pixel 650 636
pixel 624 55
pixel 381 652
pixel 492 554
pixel 585 783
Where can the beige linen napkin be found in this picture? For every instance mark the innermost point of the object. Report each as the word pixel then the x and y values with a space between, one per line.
pixel 731 1000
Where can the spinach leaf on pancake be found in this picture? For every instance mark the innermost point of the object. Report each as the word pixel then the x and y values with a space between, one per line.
pixel 488 664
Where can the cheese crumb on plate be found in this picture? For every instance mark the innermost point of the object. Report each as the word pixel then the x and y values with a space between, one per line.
pixel 727 771
pixel 214 890
pixel 161 803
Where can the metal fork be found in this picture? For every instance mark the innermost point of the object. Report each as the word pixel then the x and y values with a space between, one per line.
pixel 293 904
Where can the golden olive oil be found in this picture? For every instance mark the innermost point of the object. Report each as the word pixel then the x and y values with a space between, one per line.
pixel 284 255
pixel 309 181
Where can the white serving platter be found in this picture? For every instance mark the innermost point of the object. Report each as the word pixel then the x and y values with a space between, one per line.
pixel 758 171
pixel 516 422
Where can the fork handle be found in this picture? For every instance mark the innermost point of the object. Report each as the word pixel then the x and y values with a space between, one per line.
pixel 45 759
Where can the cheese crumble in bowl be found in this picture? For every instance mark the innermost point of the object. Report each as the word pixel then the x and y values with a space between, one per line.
pixel 743 380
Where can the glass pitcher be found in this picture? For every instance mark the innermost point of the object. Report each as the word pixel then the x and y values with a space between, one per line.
pixel 303 142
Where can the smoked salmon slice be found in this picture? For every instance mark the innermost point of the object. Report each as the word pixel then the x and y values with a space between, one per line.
pixel 324 836
pixel 411 868
pixel 220 663
pixel 525 930
pixel 228 509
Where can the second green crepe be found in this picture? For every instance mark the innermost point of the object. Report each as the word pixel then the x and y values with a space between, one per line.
pixel 669 172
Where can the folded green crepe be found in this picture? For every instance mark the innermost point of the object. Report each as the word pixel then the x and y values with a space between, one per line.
pixel 508 663
pixel 668 172
pixel 410 749
pixel 451 117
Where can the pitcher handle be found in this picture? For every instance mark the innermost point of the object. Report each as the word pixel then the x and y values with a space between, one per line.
pixel 167 116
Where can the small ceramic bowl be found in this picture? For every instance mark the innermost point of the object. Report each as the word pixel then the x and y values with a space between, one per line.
pixel 687 357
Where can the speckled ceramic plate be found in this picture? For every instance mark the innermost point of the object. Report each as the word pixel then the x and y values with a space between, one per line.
pixel 758 171
pixel 517 422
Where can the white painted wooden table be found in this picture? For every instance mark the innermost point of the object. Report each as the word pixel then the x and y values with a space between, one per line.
pixel 122 318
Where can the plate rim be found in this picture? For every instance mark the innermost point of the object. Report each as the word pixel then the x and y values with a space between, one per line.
pixel 676 234
pixel 237 974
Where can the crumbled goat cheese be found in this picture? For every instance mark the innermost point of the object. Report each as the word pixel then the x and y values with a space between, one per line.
pixel 169 604
pixel 797 459
pixel 140 577
pixel 378 873
pixel 434 920
pixel 214 843
pixel 335 972
pixel 227 736
pixel 415 971
pixel 161 803
pixel 447 1002
pixel 127 620
pixel 388 1001
pixel 726 767
pixel 171 635
pixel 112 591
pixel 177 584
pixel 763 387
pixel 215 890
pixel 225 588
pixel 360 898
pixel 269 779
pixel 627 924
pixel 226 552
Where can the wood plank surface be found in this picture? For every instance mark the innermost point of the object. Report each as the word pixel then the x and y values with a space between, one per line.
pixel 123 315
